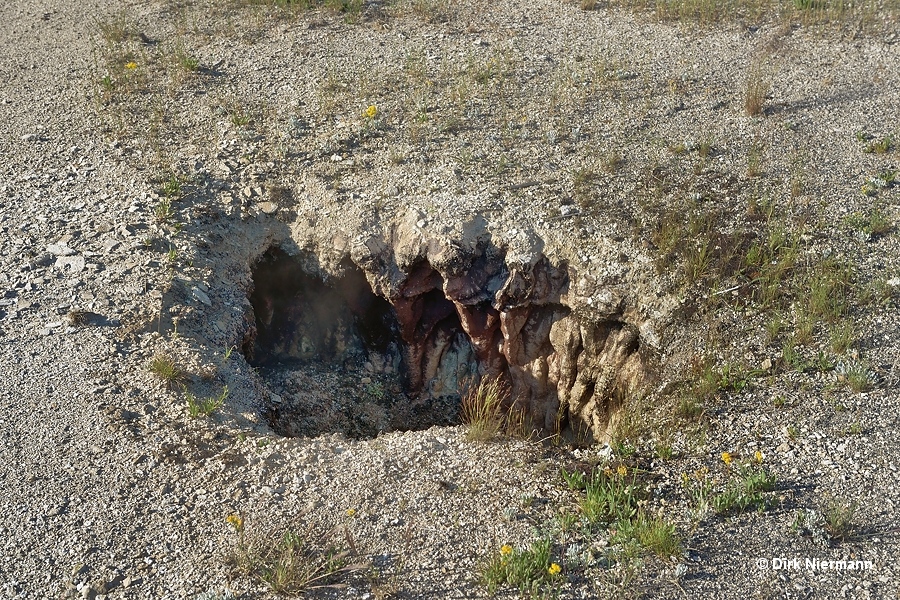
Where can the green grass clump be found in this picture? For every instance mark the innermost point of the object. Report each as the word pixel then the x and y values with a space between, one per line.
pixel 745 492
pixel 297 560
pixel 652 533
pixel 203 407
pixel 839 519
pixel 828 289
pixel 528 569
pixel 166 369
pixel 873 224
pixel 609 497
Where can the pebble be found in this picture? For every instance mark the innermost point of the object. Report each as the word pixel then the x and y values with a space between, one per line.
pixel 70 264
pixel 270 208
pixel 60 250
pixel 201 296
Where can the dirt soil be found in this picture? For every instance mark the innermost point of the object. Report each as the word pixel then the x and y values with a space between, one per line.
pixel 155 151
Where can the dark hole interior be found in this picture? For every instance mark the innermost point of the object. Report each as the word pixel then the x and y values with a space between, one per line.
pixel 333 357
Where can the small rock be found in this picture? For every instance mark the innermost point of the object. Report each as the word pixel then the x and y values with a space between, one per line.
pixel 60 249
pixel 766 365
pixel 201 296
pixel 270 208
pixel 30 137
pixel 71 264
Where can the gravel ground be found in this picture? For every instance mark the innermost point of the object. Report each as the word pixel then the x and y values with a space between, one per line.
pixel 571 131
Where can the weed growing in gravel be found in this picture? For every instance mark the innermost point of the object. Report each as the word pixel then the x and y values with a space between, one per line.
pixel 528 569
pixel 857 376
pixel 842 337
pixel 689 408
pixel 165 368
pixel 484 411
pixel 296 560
pixel 607 496
pixel 882 146
pixel 114 30
pixel 757 89
pixel 204 407
pixel 828 288
pixel 700 490
pixel 163 211
pixel 873 223
pixel 745 491
pixel 839 517
pixel 653 533
pixel 186 61
pixel 171 188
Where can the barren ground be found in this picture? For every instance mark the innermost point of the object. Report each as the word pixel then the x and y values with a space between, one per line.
pixel 155 151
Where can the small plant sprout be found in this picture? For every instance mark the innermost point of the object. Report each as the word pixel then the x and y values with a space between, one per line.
pixel 165 368
pixel 881 146
pixel 203 407
pixel 185 60
pixel 163 211
pixel 171 189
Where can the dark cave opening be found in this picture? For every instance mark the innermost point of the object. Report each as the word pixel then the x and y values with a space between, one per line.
pixel 336 358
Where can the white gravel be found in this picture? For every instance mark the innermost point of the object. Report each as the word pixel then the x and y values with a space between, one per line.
pixel 108 488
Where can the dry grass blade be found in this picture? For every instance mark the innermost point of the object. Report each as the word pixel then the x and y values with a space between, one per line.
pixel 297 560
pixel 482 409
pixel 758 87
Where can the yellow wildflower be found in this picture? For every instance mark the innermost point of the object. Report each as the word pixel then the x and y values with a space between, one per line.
pixel 554 570
pixel 351 512
pixel 726 458
pixel 622 470
pixel 757 456
pixel 607 471
pixel 371 111
pixel 235 521
pixel 505 550
pixel 131 66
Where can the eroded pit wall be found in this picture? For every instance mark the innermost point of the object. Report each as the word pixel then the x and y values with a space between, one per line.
pixel 465 308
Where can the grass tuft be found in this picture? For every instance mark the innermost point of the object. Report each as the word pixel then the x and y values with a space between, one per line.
pixel 166 369
pixel 297 560
pixel 485 411
pixel 758 87
pixel 203 407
